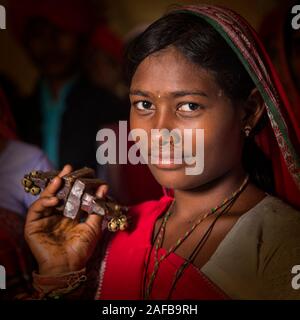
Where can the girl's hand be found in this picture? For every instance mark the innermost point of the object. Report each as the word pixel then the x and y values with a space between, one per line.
pixel 60 244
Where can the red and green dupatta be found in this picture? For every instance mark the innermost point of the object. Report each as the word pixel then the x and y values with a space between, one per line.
pixel 280 140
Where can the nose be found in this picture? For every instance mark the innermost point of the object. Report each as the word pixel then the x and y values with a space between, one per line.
pixel 165 136
pixel 164 132
pixel 163 117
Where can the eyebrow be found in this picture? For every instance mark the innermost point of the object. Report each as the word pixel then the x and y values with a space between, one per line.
pixel 175 94
pixel 139 93
pixel 178 94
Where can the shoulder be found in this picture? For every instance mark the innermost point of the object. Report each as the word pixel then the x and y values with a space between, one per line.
pixel 256 258
pixel 279 250
pixel 275 220
pixel 19 146
pixel 271 228
pixel 27 156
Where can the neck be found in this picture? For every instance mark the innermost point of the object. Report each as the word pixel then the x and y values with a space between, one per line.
pixel 203 199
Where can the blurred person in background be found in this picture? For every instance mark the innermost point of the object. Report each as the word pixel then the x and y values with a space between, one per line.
pixel 104 62
pixel 66 110
pixel 16 159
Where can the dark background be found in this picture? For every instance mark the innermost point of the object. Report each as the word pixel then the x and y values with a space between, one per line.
pixel 122 16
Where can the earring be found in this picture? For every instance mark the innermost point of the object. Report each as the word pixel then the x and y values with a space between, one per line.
pixel 247 130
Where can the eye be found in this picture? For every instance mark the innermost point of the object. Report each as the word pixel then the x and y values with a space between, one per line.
pixel 143 105
pixel 189 107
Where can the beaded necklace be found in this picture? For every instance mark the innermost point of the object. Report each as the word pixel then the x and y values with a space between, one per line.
pixel 160 235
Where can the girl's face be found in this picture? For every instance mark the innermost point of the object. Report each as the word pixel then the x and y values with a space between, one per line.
pixel 168 91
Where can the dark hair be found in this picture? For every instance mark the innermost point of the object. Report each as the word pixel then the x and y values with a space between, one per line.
pixel 201 44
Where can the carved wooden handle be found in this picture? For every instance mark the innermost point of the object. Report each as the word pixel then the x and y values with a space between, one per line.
pixel 78 194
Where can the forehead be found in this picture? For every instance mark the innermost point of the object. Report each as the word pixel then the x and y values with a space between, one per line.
pixel 170 70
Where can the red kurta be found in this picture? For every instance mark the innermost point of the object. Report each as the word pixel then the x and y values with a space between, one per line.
pixel 123 268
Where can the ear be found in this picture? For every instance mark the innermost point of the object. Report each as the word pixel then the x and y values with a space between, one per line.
pixel 253 109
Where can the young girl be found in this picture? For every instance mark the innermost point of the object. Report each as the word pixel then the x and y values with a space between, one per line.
pixel 215 235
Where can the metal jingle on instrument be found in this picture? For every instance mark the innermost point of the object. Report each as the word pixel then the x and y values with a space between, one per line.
pixel 123 223
pixel 33 173
pixel 35 190
pixel 122 218
pixel 27 183
pixel 27 189
pixel 117 207
pixel 113 225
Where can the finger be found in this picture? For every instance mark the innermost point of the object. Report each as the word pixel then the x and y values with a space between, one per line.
pixel 95 223
pixel 102 191
pixel 93 220
pixel 66 170
pixel 55 184
pixel 52 188
pixel 40 208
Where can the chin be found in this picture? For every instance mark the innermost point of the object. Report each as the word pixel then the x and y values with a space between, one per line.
pixel 175 178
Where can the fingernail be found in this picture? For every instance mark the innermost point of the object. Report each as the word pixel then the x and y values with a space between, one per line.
pixel 54 180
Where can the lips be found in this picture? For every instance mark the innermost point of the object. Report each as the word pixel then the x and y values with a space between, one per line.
pixel 165 154
pixel 165 160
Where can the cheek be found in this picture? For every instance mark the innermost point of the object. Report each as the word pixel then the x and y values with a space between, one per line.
pixel 222 131
pixel 223 142
pixel 139 122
